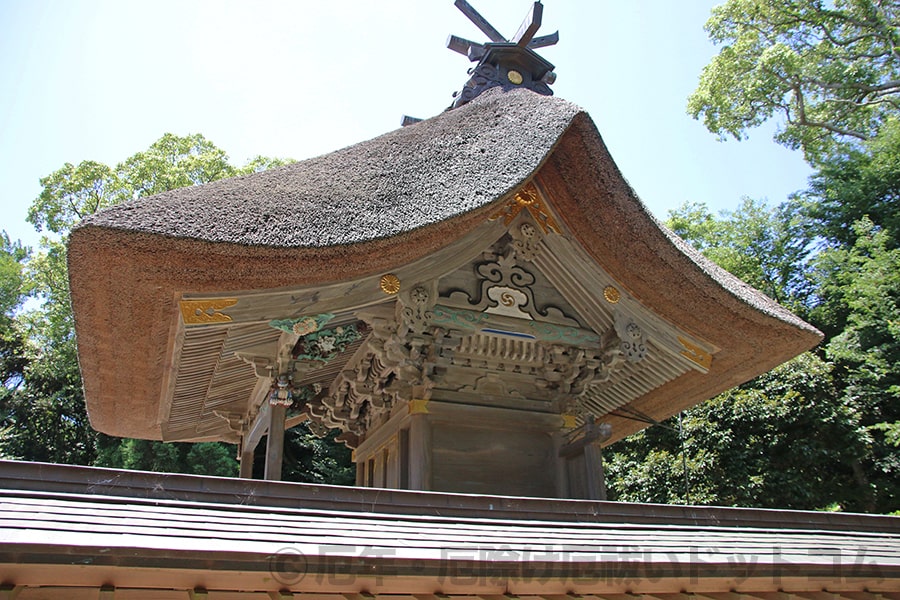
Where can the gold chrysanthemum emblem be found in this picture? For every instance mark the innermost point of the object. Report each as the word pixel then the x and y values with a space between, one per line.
pixel 390 284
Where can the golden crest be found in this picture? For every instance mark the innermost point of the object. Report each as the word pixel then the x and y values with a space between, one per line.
pixel 570 421
pixel 418 407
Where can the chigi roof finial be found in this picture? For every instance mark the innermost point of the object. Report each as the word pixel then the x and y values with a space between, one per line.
pixel 507 63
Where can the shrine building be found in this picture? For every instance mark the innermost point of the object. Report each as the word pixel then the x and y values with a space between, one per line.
pixel 479 302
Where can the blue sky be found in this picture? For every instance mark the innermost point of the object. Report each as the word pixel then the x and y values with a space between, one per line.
pixel 102 80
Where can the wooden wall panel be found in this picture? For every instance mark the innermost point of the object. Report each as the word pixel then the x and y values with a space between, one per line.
pixel 481 460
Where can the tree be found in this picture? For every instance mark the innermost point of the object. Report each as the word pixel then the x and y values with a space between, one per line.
pixel 860 289
pixel 12 293
pixel 818 432
pixel 42 413
pixel 862 183
pixel 12 339
pixel 311 459
pixel 205 458
pixel 829 70
pixel 822 431
pixel 173 162
pixel 71 193
pixel 784 440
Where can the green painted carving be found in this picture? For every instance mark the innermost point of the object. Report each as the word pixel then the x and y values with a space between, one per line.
pixel 549 332
pixel 462 319
pixel 325 344
pixel 302 325
pixel 302 396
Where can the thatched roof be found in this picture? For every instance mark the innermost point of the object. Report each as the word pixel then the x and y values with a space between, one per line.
pixel 404 180
pixel 374 207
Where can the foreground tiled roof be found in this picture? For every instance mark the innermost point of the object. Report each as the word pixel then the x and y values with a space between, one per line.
pixel 87 528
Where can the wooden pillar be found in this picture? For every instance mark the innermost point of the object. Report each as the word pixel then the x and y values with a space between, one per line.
pixel 360 469
pixel 419 446
pixel 561 478
pixel 275 443
pixel 596 482
pixel 247 455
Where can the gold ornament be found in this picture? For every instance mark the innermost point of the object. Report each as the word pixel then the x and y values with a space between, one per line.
pixel 390 284
pixel 418 407
pixel 527 198
pixel 611 294
pixel 205 312
pixel 514 77
pixel 695 353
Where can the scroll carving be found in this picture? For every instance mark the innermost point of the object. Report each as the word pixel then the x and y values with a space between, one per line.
pixel 632 338
pixel 505 286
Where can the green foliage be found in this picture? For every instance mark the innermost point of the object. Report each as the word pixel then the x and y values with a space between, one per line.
pixel 205 458
pixel 41 405
pixel 891 432
pixel 784 440
pixel 42 412
pixel 12 292
pixel 822 431
pixel 829 71
pixel 212 458
pixel 13 360
pixel 860 183
pixel 861 304
pixel 310 459
pixel 12 280
pixel 47 417
pixel 262 163
pixel 71 193
pixel 173 162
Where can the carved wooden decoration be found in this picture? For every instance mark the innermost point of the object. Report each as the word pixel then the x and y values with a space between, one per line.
pixel 528 198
